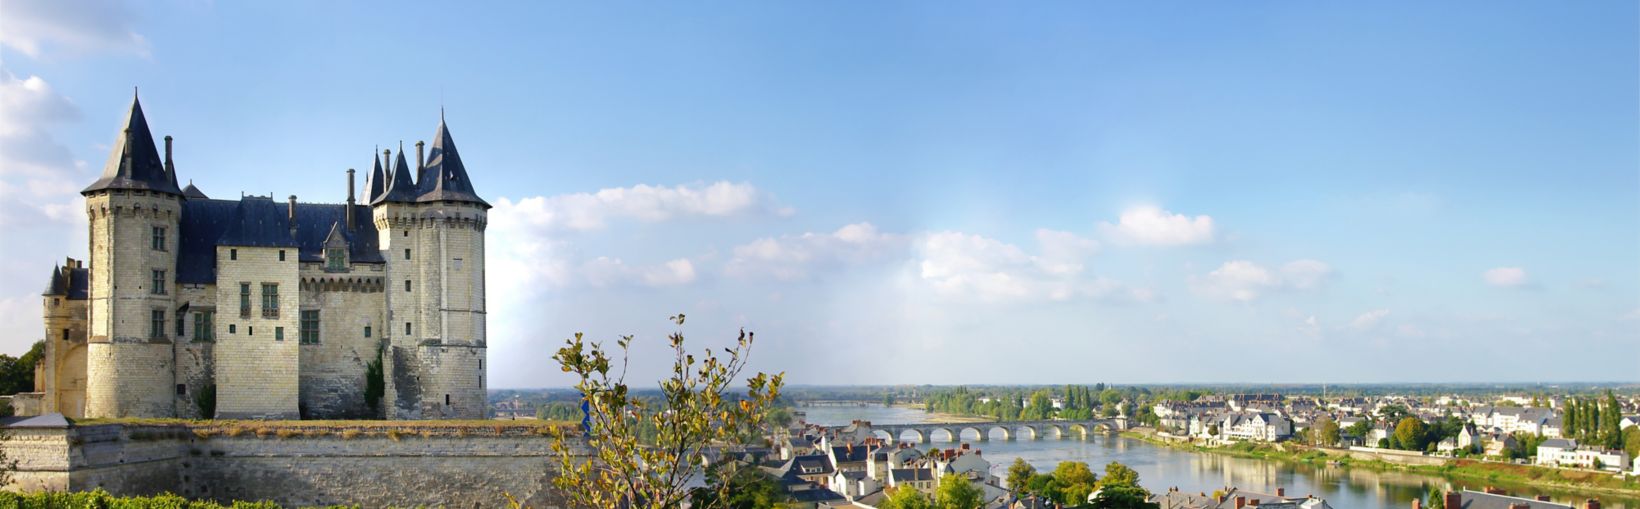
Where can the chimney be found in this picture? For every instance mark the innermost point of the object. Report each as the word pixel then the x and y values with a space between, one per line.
pixel 1541 498
pixel 420 162
pixel 1453 499
pixel 169 168
pixel 1241 502
pixel 1520 505
pixel 1494 490
pixel 349 213
pixel 387 162
pixel 1252 503
pixel 291 210
pixel 1591 504
pixel 1281 492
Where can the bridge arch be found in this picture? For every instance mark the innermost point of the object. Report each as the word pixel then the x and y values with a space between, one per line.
pixel 1058 431
pixel 884 435
pixel 1029 432
pixel 917 436
pixel 951 435
pixel 1007 431
pixel 979 433
pixel 1080 430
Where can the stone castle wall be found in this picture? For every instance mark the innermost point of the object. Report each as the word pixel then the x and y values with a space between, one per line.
pixel 122 376
pixel 333 370
pixel 257 361
pixel 448 466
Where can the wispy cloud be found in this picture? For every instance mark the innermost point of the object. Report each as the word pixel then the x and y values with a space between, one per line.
pixel 74 27
pixel 792 257
pixel 1506 277
pixel 1245 281
pixel 1152 226
pixel 642 202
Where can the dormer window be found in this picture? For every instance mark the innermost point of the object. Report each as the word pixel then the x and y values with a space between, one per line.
pixel 336 258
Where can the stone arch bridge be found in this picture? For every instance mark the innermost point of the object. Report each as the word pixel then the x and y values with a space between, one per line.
pixel 1011 430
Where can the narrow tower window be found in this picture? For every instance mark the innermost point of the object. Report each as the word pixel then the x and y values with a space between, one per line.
pixel 244 300
pixel 159 238
pixel 281 255
pixel 367 331
pixel 278 333
pixel 158 284
pixel 233 254
pixel 407 253
pixel 406 285
pixel 407 328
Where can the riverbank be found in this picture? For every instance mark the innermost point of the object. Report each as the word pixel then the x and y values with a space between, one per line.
pixel 1459 470
pixel 942 416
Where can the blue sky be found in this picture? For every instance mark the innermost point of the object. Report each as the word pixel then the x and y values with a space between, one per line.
pixel 923 192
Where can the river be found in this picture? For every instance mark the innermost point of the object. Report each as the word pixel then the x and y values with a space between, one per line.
pixel 1161 467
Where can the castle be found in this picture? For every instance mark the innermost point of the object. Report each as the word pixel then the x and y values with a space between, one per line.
pixel 250 308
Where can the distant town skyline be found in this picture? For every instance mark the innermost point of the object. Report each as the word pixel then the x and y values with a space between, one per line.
pixel 909 194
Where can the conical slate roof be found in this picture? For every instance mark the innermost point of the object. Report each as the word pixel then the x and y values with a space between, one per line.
pixel 399 187
pixel 56 287
pixel 134 162
pixel 445 178
pixel 375 183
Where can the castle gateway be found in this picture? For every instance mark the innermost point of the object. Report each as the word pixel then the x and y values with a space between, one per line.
pixel 196 307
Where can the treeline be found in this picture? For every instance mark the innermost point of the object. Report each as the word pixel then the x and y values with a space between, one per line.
pixel 1037 403
pixel 1071 483
pixel 1596 421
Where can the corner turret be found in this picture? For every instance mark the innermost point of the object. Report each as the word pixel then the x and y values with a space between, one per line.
pixel 134 163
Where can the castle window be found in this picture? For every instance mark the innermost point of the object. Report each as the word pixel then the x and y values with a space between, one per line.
pixel 65 334
pixel 182 389
pixel 458 263
pixel 203 326
pixel 156 323
pixel 406 285
pixel 446 400
pixel 310 327
pixel 407 253
pixel 270 300
pixel 367 331
pixel 158 286
pixel 250 330
pixel 278 333
pixel 407 328
pixel 180 322
pixel 233 254
pixel 230 328
pixel 335 258
pixel 281 255
pixel 244 300
pixel 159 238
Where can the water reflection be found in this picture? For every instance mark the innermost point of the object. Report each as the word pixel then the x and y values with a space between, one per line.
pixel 1160 467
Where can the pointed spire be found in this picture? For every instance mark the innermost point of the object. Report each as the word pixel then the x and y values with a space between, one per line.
pixel 56 286
pixel 445 176
pixel 400 189
pixel 134 162
pixel 376 183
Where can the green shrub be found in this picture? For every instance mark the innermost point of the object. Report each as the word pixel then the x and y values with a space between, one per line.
pixel 100 499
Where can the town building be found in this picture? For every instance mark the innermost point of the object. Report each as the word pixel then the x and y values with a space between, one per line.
pixel 252 307
pixel 1565 452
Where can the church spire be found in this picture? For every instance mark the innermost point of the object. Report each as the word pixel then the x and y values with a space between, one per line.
pixel 134 162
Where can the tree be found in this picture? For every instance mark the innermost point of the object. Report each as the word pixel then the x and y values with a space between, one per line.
pixel 906 498
pixel 1326 434
pixel 1123 497
pixel 1019 474
pixel 1117 474
pixel 1043 485
pixel 1631 441
pixel 1435 500
pixel 1360 429
pixel 17 373
pixel 1410 434
pixel 956 493
pixel 750 488
pixel 1075 481
pixel 617 467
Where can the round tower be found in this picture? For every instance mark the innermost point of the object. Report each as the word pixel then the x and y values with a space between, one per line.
pixel 135 210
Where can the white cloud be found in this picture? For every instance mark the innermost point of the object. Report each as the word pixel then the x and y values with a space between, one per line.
pixel 1152 226
pixel 794 256
pixel 1369 320
pixel 603 271
pixel 32 27
pixel 1245 281
pixel 1507 277
pixel 593 211
pixel 968 266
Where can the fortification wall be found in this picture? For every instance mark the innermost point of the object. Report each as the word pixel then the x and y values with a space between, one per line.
pixel 333 369
pixel 469 465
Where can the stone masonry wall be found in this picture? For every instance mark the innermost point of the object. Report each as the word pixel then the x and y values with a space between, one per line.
pixel 257 365
pixel 123 299
pixel 470 466
pixel 333 370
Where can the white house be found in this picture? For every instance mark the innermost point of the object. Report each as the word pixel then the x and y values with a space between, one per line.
pixel 1566 453
pixel 1255 426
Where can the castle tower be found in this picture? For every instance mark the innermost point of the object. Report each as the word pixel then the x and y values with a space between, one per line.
pixel 432 236
pixel 134 210
pixel 63 367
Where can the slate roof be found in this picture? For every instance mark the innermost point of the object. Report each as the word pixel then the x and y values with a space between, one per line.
pixel 74 283
pixel 375 183
pixel 1482 500
pixel 258 221
pixel 400 189
pixel 444 178
pixel 134 162
pixel 193 193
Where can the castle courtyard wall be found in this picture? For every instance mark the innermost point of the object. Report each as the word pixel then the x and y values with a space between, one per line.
pixel 370 465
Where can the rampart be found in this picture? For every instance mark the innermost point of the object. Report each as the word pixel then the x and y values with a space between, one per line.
pixel 466 464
